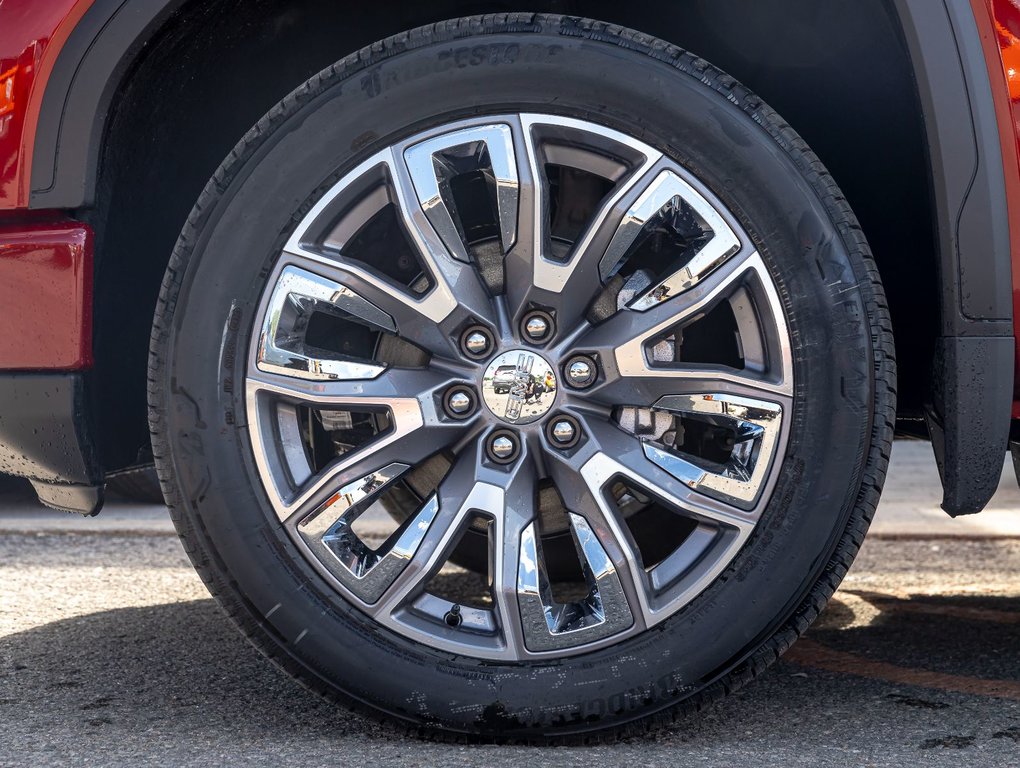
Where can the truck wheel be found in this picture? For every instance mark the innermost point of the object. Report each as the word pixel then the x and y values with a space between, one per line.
pixel 599 210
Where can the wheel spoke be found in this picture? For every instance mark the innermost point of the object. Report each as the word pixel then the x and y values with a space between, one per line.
pixel 387 385
pixel 751 427
pixel 626 455
pixel 408 399
pixel 628 327
pixel 297 295
pixel 660 594
pixel 426 323
pixel 689 379
pixel 667 194
pixel 456 294
pixel 472 487
pixel 464 295
pixel 586 502
pixel 610 456
pixel 628 344
pixel 433 163
pixel 329 533
pixel 548 625
pixel 534 276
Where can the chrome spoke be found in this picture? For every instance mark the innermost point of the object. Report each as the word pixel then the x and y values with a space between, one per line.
pixel 406 397
pixel 387 384
pixel 506 496
pixel 297 295
pixel 627 328
pixel 604 612
pixel 627 586
pixel 613 457
pixel 755 427
pixel 463 293
pixel 666 194
pixel 426 318
pixel 433 163
pixel 692 379
pixel 416 320
pixel 328 533
pixel 613 448
pixel 730 533
pixel 638 362
pixel 534 276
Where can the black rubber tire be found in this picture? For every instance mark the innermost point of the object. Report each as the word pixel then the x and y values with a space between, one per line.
pixel 843 361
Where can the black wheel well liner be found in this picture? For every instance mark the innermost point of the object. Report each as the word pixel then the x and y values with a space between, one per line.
pixel 160 90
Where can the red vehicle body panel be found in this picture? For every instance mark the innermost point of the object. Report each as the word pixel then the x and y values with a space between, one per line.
pixel 46 296
pixel 999 23
pixel 31 35
pixel 45 262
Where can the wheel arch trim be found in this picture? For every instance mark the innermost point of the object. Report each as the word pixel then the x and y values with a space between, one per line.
pixel 971 388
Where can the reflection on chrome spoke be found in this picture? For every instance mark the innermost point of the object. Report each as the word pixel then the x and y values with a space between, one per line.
pixel 752 427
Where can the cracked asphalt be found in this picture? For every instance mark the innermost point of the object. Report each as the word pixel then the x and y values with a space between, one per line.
pixel 112 654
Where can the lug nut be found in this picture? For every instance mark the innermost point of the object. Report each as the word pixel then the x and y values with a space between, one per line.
pixel 502 446
pixel 563 432
pixel 581 372
pixel 537 326
pixel 477 341
pixel 459 402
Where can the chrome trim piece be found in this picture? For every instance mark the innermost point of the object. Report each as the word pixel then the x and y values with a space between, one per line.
pixel 366 572
pixel 632 359
pixel 439 302
pixel 406 416
pixel 392 609
pixel 655 606
pixel 668 189
pixel 549 625
pixel 431 179
pixel 296 295
pixel 755 424
pixel 552 275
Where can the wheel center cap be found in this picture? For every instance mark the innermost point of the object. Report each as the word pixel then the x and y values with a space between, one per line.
pixel 519 387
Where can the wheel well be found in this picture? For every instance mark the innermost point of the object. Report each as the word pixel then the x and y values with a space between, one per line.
pixel 214 68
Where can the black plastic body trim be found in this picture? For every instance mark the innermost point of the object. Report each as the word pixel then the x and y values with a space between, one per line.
pixel 968 414
pixel 970 467
pixel 966 178
pixel 44 436
pixel 966 162
pixel 79 94
pixel 70 497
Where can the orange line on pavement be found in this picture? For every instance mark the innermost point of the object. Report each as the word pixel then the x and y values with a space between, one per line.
pixel 808 653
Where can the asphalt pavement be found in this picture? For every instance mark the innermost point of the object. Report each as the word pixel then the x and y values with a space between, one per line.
pixel 112 654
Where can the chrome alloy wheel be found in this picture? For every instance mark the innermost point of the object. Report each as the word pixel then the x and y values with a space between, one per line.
pixel 529 326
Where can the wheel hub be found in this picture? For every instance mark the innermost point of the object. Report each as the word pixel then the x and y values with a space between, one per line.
pixel 519 387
